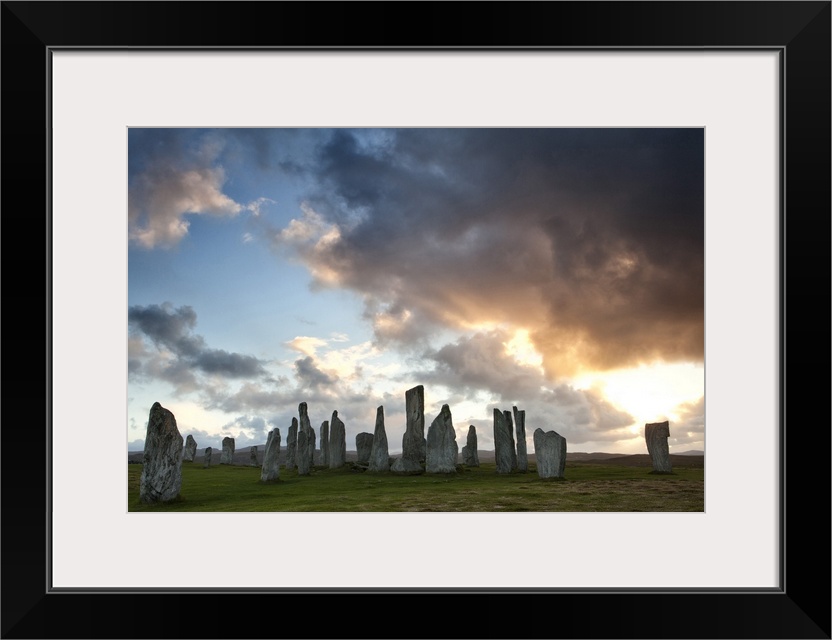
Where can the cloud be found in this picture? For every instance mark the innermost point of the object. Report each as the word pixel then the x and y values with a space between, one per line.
pixel 247 431
pixel 231 365
pixel 482 369
pixel 307 345
pixel 690 427
pixel 592 240
pixel 160 199
pixel 482 362
pixel 179 353
pixel 172 177
pixel 310 376
pixel 256 206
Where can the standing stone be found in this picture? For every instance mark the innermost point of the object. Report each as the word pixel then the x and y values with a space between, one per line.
pixel 656 435
pixel 161 478
pixel 324 443
pixel 252 457
pixel 209 452
pixel 379 455
pixel 442 450
pixel 414 445
pixel 271 458
pixel 190 449
pixel 227 451
pixel 363 446
pixel 308 450
pixel 550 452
pixel 470 456
pixel 304 464
pixel 504 454
pixel 337 442
pixel 520 428
pixel 311 437
pixel 292 445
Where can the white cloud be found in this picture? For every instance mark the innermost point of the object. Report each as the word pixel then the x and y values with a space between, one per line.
pixel 307 345
pixel 162 196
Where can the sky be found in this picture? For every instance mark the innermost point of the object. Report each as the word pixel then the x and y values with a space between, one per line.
pixel 558 270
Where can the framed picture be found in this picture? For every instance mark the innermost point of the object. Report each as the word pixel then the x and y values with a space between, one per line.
pixel 755 76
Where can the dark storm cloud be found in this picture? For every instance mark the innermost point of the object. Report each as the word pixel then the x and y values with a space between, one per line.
pixel 180 352
pixel 591 238
pixel 167 327
pixel 230 365
pixel 309 375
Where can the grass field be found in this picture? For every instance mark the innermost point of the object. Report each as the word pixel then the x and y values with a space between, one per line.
pixel 585 487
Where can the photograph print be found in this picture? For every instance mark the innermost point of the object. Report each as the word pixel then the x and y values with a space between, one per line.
pixel 416 319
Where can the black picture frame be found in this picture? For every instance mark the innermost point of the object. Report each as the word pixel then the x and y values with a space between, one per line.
pixel 799 31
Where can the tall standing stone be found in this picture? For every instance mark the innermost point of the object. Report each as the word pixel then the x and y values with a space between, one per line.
pixel 504 454
pixel 292 445
pixel 311 437
pixel 470 456
pixel 379 454
pixel 337 442
pixel 363 446
pixel 189 452
pixel 550 453
pixel 161 478
pixel 252 457
pixel 441 450
pixel 271 458
pixel 304 464
pixel 324 443
pixel 227 451
pixel 308 450
pixel 656 435
pixel 520 429
pixel 209 452
pixel 414 445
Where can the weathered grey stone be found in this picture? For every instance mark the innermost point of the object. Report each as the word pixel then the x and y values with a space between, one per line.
pixel 656 435
pixel 311 437
pixel 271 458
pixel 308 450
pixel 413 442
pixel 550 453
pixel 379 455
pixel 209 452
pixel 303 462
pixel 470 456
pixel 161 478
pixel 227 456
pixel 363 446
pixel 252 457
pixel 337 442
pixel 324 459
pixel 442 450
pixel 504 453
pixel 292 445
pixel 520 429
pixel 406 466
pixel 190 449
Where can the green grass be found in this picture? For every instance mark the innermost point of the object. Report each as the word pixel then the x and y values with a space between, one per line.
pixel 586 487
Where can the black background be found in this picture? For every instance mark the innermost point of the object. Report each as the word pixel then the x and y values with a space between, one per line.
pixel 799 609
